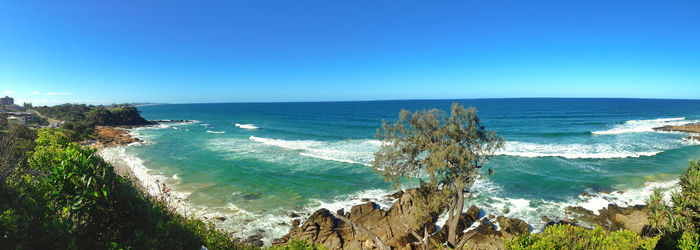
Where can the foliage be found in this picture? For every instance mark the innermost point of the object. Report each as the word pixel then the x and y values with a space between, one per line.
pixel 80 119
pixel 448 149
pixel 679 222
pixel 297 244
pixel 15 142
pixel 71 198
pixel 574 237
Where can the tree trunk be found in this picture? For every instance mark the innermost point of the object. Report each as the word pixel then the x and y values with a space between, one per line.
pixel 455 216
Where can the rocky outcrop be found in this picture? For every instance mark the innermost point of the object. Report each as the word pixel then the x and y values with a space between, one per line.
pixel 687 128
pixel 633 218
pixel 110 136
pixel 393 227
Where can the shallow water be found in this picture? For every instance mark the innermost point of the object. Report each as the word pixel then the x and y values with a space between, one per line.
pixel 256 162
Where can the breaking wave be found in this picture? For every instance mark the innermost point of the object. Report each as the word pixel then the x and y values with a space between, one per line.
pixel 640 126
pixel 246 126
pixel 349 151
pixel 573 151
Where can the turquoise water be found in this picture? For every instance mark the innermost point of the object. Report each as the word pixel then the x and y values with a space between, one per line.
pixel 255 162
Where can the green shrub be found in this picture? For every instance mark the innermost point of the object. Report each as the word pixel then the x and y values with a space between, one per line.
pixel 574 237
pixel 679 222
pixel 72 199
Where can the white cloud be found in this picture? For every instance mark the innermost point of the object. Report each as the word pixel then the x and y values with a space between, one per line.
pixel 8 92
pixel 59 93
pixel 35 92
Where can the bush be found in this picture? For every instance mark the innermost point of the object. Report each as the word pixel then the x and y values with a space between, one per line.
pixel 72 199
pixel 574 237
pixel 679 222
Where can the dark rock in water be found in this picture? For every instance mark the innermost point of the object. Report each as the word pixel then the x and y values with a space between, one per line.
pixel 252 196
pixel 341 212
pixel 255 240
pixel 365 200
pixel 473 213
pixel 545 219
pixel 220 218
pixel 293 215
pixel 506 210
pixel 491 216
pixel 295 223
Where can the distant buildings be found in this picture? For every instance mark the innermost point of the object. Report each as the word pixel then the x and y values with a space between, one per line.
pixel 20 120
pixel 7 100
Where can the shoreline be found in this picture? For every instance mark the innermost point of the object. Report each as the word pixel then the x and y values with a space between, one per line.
pixel 125 168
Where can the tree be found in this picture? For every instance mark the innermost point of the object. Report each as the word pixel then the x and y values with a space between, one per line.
pixel 444 151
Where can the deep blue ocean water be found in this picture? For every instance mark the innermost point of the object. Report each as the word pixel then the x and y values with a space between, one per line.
pixel 256 162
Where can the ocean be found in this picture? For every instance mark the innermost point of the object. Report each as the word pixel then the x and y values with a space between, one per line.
pixel 255 163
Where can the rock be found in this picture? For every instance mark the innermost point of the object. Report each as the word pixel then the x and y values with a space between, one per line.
pixel 506 210
pixel 293 215
pixel 111 136
pixel 491 216
pixel 396 195
pixel 484 236
pixel 365 200
pixel 614 217
pixel 220 218
pixel 341 212
pixel 255 240
pixel 512 227
pixel 252 196
pixel 324 228
pixel 545 219
pixel 473 213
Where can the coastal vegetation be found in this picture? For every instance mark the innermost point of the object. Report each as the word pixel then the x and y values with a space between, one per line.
pixel 68 197
pixel 447 149
pixel 80 120
pixel 678 222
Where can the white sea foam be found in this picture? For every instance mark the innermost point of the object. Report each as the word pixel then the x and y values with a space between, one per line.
pixel 246 126
pixel 598 200
pixel 640 126
pixel 216 132
pixel 349 151
pixel 574 151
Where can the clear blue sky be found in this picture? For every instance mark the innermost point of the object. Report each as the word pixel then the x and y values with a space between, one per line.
pixel 237 51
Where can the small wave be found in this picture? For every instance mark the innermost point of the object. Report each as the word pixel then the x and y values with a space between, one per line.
pixel 216 132
pixel 348 151
pixel 246 126
pixel 572 151
pixel 640 126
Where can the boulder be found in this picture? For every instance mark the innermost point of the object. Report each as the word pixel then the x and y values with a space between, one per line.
pixel 510 227
pixel 473 213
pixel 390 226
